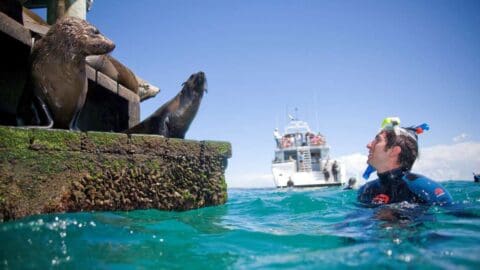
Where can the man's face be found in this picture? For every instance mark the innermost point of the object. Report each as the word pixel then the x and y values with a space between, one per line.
pixel 378 157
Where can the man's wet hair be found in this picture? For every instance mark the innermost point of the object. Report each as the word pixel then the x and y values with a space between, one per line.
pixel 407 144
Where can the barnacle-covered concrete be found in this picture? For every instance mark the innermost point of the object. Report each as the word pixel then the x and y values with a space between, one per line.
pixel 46 171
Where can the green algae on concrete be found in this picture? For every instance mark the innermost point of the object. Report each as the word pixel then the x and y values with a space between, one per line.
pixel 14 138
pixel 58 140
pixel 43 171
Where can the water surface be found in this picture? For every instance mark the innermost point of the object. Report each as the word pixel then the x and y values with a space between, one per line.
pixel 320 228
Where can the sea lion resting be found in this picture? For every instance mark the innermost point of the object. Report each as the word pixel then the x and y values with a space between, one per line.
pixel 173 118
pixel 115 70
pixel 58 73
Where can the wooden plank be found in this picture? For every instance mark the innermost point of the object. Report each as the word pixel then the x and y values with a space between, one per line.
pixel 111 85
pixel 34 22
pixel 35 27
pixel 90 73
pixel 106 81
pixel 15 30
pixel 133 113
pixel 127 93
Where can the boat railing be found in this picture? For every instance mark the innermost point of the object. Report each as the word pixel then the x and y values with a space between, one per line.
pixel 291 141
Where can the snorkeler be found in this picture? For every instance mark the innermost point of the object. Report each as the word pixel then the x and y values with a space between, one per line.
pixel 351 183
pixel 392 153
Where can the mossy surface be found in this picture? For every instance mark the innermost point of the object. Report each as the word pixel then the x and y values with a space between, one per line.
pixel 58 140
pixel 45 171
pixel 222 148
pixel 14 138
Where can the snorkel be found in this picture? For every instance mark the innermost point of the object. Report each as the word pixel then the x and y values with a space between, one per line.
pixel 393 123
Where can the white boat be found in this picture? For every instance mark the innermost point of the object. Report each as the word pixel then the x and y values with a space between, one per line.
pixel 302 159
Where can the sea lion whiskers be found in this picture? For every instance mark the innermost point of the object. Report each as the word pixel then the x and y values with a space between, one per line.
pixel 97 43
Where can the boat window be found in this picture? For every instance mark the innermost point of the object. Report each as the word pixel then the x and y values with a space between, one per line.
pixel 325 153
pixel 278 156
pixel 290 156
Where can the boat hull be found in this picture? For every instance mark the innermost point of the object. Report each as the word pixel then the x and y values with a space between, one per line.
pixel 286 175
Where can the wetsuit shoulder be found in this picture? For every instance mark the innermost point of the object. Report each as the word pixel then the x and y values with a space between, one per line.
pixel 427 189
pixel 366 192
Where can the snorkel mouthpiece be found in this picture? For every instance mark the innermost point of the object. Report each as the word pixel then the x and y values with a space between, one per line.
pixel 368 171
pixel 393 123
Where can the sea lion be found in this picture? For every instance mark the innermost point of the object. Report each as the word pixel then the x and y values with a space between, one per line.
pixel 114 70
pixel 102 63
pixel 123 75
pixel 146 90
pixel 58 75
pixel 173 118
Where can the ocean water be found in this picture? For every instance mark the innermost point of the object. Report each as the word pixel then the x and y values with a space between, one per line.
pixel 321 228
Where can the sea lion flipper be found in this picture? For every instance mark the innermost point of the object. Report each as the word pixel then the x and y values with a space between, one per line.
pixel 37 115
pixel 47 114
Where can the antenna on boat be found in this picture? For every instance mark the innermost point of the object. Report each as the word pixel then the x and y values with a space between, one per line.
pixel 316 111
pixel 296 113
pixel 286 112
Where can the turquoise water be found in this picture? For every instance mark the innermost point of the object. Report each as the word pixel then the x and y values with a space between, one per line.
pixel 256 229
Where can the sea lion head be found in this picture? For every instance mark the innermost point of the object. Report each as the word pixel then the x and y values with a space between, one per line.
pixel 196 83
pixel 79 37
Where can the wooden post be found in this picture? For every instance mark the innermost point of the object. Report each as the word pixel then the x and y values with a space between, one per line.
pixel 57 9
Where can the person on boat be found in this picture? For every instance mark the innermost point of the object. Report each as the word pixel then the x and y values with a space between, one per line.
pixel 314 139
pixel 326 173
pixel 321 139
pixel 392 153
pixel 278 138
pixel 298 139
pixel 335 170
pixel 308 138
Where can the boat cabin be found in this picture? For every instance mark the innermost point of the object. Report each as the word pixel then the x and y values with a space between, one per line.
pixel 300 144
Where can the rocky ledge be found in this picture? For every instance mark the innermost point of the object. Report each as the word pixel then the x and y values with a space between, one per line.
pixel 46 171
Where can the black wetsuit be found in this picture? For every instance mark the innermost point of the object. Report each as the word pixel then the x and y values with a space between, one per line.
pixel 400 185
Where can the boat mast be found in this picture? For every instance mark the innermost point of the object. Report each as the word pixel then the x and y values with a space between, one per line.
pixel 316 111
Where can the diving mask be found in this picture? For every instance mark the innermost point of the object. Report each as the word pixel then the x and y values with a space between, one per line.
pixel 393 123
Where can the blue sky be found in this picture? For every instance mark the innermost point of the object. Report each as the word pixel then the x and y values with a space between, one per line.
pixel 344 64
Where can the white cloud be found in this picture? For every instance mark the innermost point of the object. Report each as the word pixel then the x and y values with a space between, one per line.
pixel 446 162
pixel 461 138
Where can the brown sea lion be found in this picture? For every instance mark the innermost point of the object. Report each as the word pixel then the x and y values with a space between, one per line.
pixel 124 76
pixel 114 70
pixel 58 73
pixel 102 63
pixel 173 118
pixel 146 90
